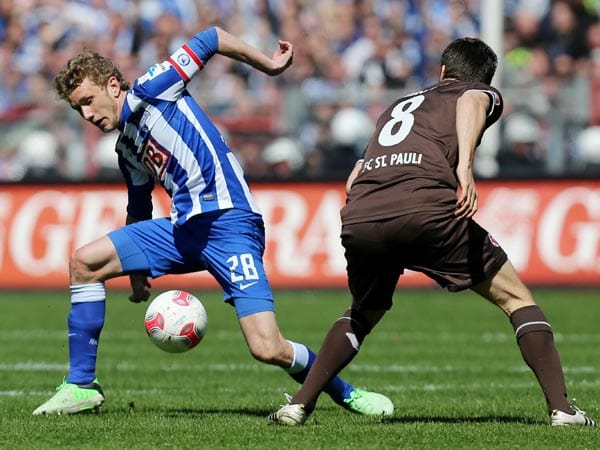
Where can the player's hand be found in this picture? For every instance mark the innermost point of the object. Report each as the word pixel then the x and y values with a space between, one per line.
pixel 282 58
pixel 466 203
pixel 140 287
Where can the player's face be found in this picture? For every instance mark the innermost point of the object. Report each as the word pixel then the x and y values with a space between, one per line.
pixel 98 105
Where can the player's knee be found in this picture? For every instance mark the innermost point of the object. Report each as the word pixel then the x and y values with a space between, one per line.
pixel 268 352
pixel 79 270
pixel 511 301
pixel 359 323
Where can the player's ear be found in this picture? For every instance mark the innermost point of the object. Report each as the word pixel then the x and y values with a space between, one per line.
pixel 443 72
pixel 113 86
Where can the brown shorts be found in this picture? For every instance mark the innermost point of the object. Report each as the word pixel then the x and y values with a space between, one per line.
pixel 457 254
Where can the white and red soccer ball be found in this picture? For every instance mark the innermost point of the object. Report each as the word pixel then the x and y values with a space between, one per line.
pixel 175 321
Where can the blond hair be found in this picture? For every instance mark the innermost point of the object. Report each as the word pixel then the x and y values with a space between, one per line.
pixel 87 64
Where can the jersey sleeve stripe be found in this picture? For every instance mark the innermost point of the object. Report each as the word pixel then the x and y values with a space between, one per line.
pixel 495 103
pixel 193 55
pixel 494 97
pixel 186 62
pixel 179 70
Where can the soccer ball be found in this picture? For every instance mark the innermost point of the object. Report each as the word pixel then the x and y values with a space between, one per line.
pixel 175 321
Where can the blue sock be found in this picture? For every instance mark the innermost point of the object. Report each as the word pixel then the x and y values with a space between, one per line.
pixel 86 320
pixel 304 357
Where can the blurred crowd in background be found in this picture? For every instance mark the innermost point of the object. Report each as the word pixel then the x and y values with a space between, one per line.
pixel 352 59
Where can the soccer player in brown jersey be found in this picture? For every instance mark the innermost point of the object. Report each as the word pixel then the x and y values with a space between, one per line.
pixel 411 202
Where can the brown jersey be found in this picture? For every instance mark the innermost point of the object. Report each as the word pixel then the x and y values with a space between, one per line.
pixel 410 162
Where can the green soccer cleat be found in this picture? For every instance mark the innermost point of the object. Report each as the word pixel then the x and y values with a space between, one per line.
pixel 369 403
pixel 72 399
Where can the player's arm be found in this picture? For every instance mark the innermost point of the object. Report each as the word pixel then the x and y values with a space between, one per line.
pixel 235 48
pixel 168 79
pixel 353 174
pixel 140 284
pixel 139 207
pixel 471 114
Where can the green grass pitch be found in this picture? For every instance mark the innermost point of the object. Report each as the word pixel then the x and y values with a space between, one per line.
pixel 448 361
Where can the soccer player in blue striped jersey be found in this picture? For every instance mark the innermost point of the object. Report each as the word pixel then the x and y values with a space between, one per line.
pixel 214 225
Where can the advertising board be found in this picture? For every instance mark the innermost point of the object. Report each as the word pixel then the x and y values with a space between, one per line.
pixel 551 231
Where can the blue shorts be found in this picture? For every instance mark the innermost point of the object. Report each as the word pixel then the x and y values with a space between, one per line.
pixel 229 244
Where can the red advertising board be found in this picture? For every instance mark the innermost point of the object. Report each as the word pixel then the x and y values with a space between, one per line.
pixel 551 231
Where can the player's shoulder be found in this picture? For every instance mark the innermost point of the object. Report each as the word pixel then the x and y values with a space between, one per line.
pixel 451 87
pixel 460 87
pixel 496 103
pixel 154 72
pixel 490 90
pixel 463 86
pixel 157 82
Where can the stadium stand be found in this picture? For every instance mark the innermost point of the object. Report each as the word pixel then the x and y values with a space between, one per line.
pixel 349 55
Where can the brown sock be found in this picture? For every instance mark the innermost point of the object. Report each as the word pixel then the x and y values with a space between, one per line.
pixel 340 346
pixel 536 342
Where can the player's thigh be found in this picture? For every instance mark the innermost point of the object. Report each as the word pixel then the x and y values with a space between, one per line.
pixel 233 254
pixel 372 266
pixel 149 247
pixel 457 254
pixel 505 289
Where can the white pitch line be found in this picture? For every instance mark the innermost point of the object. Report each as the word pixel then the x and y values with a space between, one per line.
pixel 33 366
pixel 128 366
pixel 427 387
pixel 383 336
pixel 475 387
pixel 399 368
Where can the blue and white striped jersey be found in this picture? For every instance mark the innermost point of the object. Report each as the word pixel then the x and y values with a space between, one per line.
pixel 167 138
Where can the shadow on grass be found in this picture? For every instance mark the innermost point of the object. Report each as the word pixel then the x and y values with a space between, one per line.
pixel 462 420
pixel 263 413
pixel 188 412
pixel 404 419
